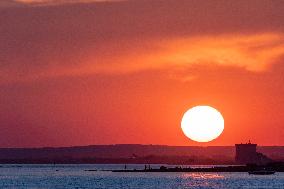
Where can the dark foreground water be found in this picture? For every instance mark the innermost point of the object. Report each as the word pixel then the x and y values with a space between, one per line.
pixel 75 176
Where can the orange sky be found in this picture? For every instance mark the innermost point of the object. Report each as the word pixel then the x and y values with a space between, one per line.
pixel 107 72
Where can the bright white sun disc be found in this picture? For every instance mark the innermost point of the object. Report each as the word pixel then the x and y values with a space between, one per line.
pixel 202 123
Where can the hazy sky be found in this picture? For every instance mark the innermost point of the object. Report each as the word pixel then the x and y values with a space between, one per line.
pixel 106 72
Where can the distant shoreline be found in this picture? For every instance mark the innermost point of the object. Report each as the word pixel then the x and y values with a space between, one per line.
pixel 131 154
pixel 279 167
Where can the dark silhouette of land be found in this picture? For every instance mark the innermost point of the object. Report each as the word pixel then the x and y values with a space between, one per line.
pixel 269 168
pixel 246 155
pixel 132 153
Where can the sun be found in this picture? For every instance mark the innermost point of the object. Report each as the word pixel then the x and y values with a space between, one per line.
pixel 202 123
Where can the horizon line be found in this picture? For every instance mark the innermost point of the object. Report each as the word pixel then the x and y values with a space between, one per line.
pixel 134 144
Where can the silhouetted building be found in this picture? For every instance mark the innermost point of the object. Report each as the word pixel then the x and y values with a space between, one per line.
pixel 247 154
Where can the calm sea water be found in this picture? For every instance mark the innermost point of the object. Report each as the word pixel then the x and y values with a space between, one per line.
pixel 76 176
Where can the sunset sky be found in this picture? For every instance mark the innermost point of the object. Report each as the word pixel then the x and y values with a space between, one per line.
pixel 106 72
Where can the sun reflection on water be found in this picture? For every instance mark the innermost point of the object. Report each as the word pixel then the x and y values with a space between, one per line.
pixel 202 180
pixel 202 175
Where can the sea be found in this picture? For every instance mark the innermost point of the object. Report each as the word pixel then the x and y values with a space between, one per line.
pixel 77 176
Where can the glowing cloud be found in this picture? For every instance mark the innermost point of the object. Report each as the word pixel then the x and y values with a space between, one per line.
pixel 251 52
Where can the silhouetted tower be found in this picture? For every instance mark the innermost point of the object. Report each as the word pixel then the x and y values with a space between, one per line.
pixel 246 153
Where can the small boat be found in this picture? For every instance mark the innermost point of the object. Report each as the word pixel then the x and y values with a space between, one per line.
pixel 262 172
